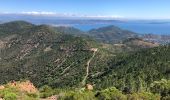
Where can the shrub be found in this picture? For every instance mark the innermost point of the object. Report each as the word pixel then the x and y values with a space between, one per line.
pixel 161 87
pixel 78 95
pixel 46 91
pixel 33 95
pixel 110 94
pixel 9 93
pixel 166 98
pixel 143 96
pixel 10 96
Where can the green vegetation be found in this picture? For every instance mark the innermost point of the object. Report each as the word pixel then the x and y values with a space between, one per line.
pixel 110 94
pixel 46 91
pixel 143 96
pixel 111 34
pixel 47 57
pixel 161 87
pixel 9 93
pixel 78 95
pixel 14 93
pixel 136 71
pixel 56 62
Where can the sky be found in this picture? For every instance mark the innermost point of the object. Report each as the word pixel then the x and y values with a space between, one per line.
pixel 130 9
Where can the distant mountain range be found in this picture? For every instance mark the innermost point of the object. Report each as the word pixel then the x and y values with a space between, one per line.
pixel 112 34
pixel 102 33
pixel 86 24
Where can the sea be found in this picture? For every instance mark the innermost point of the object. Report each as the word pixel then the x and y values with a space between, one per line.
pixel 142 28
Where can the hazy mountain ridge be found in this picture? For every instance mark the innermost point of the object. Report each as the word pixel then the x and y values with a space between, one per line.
pixel 111 34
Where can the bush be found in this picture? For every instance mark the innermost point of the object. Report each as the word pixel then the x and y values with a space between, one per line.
pixel 32 95
pixel 161 87
pixel 9 93
pixel 143 96
pixel 46 91
pixel 10 96
pixel 78 95
pixel 110 94
pixel 166 98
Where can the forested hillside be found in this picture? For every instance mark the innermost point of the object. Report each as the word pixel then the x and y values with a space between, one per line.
pixel 55 57
pixel 136 71
pixel 46 56
pixel 112 34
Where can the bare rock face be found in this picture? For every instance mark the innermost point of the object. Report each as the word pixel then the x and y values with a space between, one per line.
pixel 2 44
pixel 25 86
pixel 89 87
pixel 1 88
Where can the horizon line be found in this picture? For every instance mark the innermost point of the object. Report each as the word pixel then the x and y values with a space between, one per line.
pixel 78 16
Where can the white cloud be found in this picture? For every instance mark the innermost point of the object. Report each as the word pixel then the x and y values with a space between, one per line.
pixel 44 13
pixel 104 17
pixel 54 14
pixel 70 15
pixel 38 13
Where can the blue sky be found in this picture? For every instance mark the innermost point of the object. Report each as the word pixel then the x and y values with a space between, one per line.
pixel 139 9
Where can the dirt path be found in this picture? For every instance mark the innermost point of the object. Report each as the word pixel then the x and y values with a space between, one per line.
pixel 88 65
pixel 67 68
